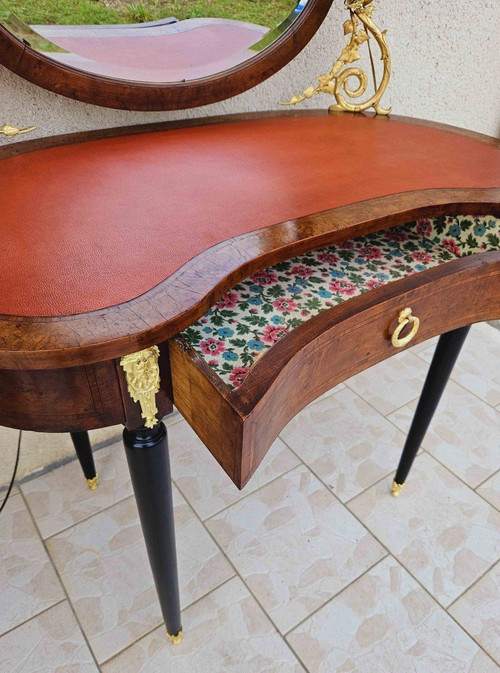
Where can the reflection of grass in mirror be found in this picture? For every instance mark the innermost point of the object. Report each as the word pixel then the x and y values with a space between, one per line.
pixel 25 33
pixel 63 11
pixel 67 12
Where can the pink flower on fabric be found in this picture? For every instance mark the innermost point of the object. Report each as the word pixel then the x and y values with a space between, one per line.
pixel 370 252
pixel 237 375
pixel 283 304
pixel 373 283
pixel 421 256
pixel 228 300
pixel 213 363
pixel 273 333
pixel 264 278
pixel 450 245
pixel 302 271
pixel 343 287
pixel 394 235
pixel 212 347
pixel 328 257
pixel 424 227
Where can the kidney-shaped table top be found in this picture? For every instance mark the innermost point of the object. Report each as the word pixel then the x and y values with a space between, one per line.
pixel 116 243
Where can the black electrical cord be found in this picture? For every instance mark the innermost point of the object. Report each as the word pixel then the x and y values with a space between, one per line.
pixel 13 474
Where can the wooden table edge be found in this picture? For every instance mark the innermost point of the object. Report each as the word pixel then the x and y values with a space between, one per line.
pixel 19 147
pixel 49 342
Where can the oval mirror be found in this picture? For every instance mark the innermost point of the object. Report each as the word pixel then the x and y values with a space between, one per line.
pixel 153 54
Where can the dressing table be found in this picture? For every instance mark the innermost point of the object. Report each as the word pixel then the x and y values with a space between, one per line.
pixel 135 258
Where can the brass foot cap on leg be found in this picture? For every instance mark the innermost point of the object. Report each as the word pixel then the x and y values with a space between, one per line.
pixel 175 640
pixel 397 488
pixel 92 483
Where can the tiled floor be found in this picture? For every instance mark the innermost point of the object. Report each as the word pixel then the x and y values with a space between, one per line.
pixel 313 567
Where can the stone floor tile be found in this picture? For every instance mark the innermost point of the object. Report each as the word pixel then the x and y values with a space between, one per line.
pixel 391 383
pixel 438 528
pixel 61 498
pixel 475 368
pixel 345 442
pixel 294 545
pixel 28 583
pixel 424 345
pixel 225 632
pixel 171 419
pixel 8 449
pixel 50 643
pixel 41 449
pixel 464 434
pixel 332 391
pixel 104 566
pixel 384 623
pixel 38 441
pixel 478 611
pixel 204 483
pixel 490 490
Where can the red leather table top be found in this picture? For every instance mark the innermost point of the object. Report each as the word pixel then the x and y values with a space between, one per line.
pixel 95 224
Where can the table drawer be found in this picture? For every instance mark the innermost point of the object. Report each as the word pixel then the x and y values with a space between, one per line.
pixel 74 399
pixel 239 425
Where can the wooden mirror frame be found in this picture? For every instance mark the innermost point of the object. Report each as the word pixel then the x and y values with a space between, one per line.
pixel 131 95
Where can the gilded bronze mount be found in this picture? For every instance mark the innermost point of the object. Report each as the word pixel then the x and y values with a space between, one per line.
pixel 336 83
pixel 396 488
pixel 13 131
pixel 93 483
pixel 142 373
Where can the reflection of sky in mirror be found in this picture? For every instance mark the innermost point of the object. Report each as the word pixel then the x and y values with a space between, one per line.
pixel 161 45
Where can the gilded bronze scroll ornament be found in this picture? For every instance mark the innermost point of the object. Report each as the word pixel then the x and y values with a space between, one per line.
pixel 336 83
pixel 13 131
pixel 142 374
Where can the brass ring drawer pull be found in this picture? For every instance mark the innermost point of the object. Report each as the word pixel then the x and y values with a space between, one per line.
pixel 405 317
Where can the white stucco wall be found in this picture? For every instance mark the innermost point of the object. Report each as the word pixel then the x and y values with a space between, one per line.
pixel 446 67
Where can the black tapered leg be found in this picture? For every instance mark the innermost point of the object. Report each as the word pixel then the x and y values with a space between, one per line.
pixel 83 450
pixel 149 464
pixel 447 351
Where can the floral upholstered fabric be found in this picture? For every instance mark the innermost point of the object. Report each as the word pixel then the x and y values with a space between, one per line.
pixel 262 309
